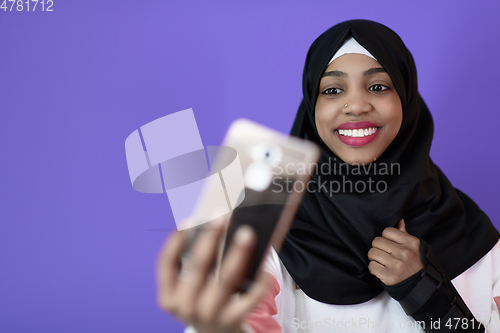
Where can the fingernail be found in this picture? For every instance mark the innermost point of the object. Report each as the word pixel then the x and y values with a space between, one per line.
pixel 243 235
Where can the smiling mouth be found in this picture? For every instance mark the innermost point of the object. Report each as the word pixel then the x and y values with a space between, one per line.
pixel 358 133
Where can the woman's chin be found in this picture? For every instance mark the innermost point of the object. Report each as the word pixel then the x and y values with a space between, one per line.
pixel 358 160
pixel 357 155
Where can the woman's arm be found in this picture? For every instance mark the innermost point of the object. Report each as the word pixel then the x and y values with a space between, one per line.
pixel 433 300
pixel 426 294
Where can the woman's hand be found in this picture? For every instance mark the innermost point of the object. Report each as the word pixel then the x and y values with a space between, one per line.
pixel 395 256
pixel 207 304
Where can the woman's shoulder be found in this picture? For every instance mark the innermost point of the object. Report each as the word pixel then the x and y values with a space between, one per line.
pixel 495 250
pixel 495 257
pixel 489 262
pixel 272 263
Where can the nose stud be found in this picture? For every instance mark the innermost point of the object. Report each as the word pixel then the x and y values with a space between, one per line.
pixel 345 105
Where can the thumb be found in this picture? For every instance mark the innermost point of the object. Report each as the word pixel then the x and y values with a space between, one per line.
pixel 401 225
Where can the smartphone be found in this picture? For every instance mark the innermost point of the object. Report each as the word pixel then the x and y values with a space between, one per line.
pixel 263 174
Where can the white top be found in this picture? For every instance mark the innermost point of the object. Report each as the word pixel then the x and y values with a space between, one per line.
pixel 297 312
pixel 479 287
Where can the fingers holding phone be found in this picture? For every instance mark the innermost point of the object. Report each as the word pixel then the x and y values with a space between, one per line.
pixel 198 298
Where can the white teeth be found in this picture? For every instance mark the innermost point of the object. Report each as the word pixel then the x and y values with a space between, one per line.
pixel 358 133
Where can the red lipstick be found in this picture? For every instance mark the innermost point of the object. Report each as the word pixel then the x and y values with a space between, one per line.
pixel 350 132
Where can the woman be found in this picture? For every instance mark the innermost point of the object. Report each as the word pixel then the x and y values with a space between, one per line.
pixel 376 253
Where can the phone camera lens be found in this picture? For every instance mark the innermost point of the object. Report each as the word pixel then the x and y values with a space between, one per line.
pixel 265 152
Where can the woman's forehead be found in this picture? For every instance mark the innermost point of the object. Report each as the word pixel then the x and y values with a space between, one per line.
pixel 352 62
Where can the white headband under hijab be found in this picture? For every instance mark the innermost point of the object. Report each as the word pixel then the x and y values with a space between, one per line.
pixel 351 46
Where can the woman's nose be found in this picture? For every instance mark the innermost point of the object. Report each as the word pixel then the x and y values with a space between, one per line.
pixel 356 104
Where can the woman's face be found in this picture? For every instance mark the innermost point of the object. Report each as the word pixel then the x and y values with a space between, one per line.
pixel 360 132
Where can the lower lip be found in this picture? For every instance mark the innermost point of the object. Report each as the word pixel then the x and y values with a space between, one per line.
pixel 357 142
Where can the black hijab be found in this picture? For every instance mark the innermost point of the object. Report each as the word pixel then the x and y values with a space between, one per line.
pixel 326 249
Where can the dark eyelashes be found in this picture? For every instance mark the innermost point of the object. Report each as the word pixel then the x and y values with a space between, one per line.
pixel 379 85
pixel 382 88
pixel 327 91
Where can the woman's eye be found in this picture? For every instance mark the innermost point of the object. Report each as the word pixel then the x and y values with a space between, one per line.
pixel 379 87
pixel 332 91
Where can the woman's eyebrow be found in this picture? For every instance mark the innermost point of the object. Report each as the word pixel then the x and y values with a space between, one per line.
pixel 374 70
pixel 335 73
pixel 365 73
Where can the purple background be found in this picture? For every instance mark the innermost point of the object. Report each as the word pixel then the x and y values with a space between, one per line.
pixel 77 244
